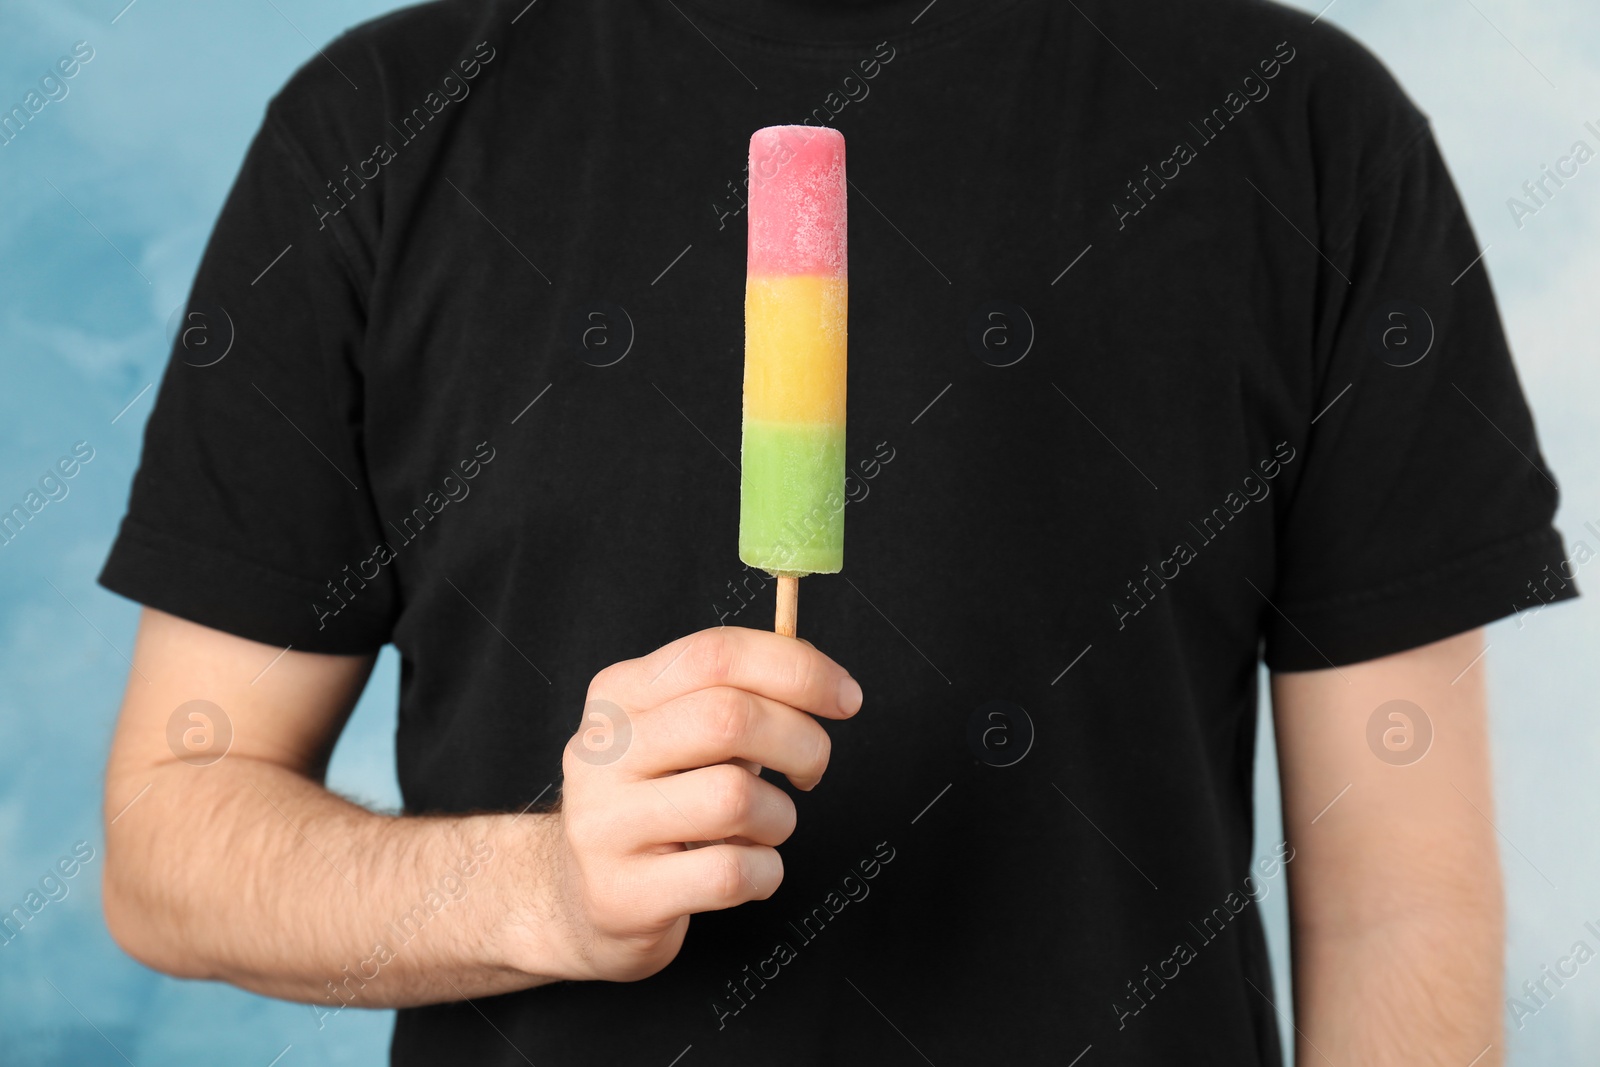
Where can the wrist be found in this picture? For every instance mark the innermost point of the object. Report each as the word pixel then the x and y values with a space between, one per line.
pixel 525 927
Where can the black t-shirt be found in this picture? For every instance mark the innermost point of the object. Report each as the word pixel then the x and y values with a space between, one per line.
pixel 1170 350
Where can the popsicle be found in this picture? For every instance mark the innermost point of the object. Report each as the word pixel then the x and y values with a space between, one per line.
pixel 791 500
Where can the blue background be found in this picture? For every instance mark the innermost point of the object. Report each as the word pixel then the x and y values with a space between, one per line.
pixel 144 148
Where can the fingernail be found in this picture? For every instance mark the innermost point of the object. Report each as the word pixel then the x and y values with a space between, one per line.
pixel 850 696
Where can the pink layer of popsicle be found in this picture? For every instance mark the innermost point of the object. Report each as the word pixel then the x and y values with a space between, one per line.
pixel 797 201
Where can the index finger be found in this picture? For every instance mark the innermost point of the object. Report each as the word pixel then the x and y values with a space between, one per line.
pixel 781 668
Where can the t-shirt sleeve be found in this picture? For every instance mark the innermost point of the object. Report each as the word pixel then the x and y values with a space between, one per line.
pixel 1424 506
pixel 252 511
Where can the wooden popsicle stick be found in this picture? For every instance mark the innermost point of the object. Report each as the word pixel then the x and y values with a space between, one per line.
pixel 784 624
pixel 788 606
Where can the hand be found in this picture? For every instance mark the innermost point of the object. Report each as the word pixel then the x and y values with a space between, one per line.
pixel 623 881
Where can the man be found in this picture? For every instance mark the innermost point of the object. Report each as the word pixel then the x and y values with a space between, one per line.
pixel 1169 352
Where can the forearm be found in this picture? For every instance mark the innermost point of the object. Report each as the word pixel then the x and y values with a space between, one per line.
pixel 246 870
pixel 252 874
pixel 1417 987
pixel 1398 922
pixel 1395 894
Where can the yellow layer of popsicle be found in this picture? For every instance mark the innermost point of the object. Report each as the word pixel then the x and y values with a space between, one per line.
pixel 794 369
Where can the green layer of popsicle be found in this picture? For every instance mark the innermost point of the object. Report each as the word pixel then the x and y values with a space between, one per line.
pixel 791 503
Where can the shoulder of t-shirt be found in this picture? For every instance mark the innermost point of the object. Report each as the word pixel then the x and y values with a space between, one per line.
pixel 373 67
pixel 338 104
pixel 1364 127
pixel 1337 114
pixel 335 110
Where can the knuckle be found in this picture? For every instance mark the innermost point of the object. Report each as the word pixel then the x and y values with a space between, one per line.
pixel 727 717
pixel 711 654
pixel 732 794
pixel 806 671
pixel 583 829
pixel 609 679
pixel 726 877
